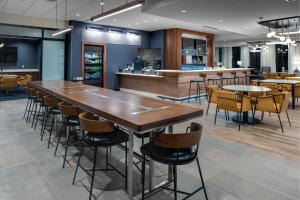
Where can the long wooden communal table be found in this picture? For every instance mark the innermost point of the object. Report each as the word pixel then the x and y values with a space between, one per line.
pixel 137 113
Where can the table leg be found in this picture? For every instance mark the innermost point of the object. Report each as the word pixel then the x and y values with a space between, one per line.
pixel 170 174
pixel 130 166
pixel 293 96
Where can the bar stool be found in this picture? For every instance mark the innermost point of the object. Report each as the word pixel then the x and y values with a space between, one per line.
pixel 174 150
pixel 52 111
pixel 99 133
pixel 32 98
pixel 143 136
pixel 70 121
pixel 40 111
pixel 28 91
pixel 230 79
pixel 198 86
pixel 216 80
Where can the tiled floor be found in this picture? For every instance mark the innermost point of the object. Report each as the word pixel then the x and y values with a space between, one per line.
pixel 232 171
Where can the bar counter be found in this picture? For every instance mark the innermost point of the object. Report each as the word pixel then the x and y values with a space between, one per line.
pixel 173 83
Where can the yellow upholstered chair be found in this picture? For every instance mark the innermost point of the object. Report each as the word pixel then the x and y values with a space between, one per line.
pixel 212 95
pixel 24 80
pixel 275 88
pixel 276 103
pixel 8 83
pixel 229 101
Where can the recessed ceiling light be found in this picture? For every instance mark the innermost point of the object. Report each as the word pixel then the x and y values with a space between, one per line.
pixel 115 20
pixel 155 19
pixel 245 27
pixel 183 11
pixel 145 21
pixel 77 14
pixel 136 23
pixel 221 20
pixel 289 1
pixel 102 3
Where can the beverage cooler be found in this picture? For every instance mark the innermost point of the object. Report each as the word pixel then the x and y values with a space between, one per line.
pixel 93 64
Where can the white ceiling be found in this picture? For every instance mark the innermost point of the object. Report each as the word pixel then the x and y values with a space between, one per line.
pixel 235 20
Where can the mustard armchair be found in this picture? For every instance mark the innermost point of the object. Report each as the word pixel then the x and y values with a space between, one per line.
pixel 230 101
pixel 23 81
pixel 212 95
pixel 8 83
pixel 277 103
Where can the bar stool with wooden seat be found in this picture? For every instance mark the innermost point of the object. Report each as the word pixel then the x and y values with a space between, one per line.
pixel 229 79
pixel 28 91
pixel 52 111
pixel 99 133
pixel 216 80
pixel 70 121
pixel 198 83
pixel 174 150
pixel 33 98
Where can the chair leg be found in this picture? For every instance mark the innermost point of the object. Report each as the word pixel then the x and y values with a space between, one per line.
pixel 207 108
pixel 37 119
pixel 287 115
pixel 78 162
pixel 50 133
pixel 175 181
pixel 58 141
pixel 45 125
pixel 240 119
pixel 280 121
pixel 26 108
pixel 67 145
pixel 190 92
pixel 126 170
pixel 201 177
pixel 29 110
pixel 216 115
pixel 262 116
pixel 143 176
pixel 93 174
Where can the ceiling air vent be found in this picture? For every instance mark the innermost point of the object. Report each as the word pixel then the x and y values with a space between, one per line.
pixel 209 27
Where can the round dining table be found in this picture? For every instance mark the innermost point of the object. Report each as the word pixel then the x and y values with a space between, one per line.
pixel 245 89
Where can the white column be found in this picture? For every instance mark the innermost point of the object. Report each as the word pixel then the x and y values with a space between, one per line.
pixel 268 58
pixel 245 56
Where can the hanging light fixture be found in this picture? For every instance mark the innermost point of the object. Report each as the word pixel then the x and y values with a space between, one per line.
pixel 124 8
pixel 1 44
pixel 67 28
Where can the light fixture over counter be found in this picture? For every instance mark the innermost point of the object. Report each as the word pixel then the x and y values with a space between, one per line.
pixel 66 28
pixel 123 8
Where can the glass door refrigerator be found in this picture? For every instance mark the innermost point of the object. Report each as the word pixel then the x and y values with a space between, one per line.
pixel 93 64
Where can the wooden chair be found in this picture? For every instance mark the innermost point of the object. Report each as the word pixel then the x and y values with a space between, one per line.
pixel 8 83
pixel 70 120
pixel 24 80
pixel 99 133
pixel 276 103
pixel 275 88
pixel 212 95
pixel 229 101
pixel 174 150
pixel 51 111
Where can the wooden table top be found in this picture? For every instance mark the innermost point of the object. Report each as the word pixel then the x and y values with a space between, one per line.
pixel 246 88
pixel 132 111
pixel 279 81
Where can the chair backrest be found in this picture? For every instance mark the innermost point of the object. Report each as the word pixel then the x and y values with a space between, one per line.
pixel 182 140
pixel 68 110
pixel 297 90
pixel 28 78
pixel 91 124
pixel 226 100
pixel 212 93
pixel 51 101
pixel 8 82
pixel 275 88
pixel 203 75
pixel 220 74
pixel 284 101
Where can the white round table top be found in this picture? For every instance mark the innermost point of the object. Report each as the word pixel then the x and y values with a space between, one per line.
pixel 246 88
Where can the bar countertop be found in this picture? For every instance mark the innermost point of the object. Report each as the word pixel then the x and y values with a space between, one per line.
pixel 204 70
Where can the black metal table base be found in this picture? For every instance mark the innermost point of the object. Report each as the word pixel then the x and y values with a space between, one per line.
pixel 248 120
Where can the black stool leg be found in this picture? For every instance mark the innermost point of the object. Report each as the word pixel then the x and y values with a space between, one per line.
pixel 66 149
pixel 126 170
pixel 58 141
pixel 201 177
pixel 175 181
pixel 50 133
pixel 26 108
pixel 93 174
pixel 45 125
pixel 143 176
pixel 190 92
pixel 78 162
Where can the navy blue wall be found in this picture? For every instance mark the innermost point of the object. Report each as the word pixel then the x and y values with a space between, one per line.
pixel 116 55
pixel 27 54
pixel 157 41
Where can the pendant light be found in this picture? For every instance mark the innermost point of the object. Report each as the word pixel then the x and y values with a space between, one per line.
pixel 115 11
pixel 67 28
